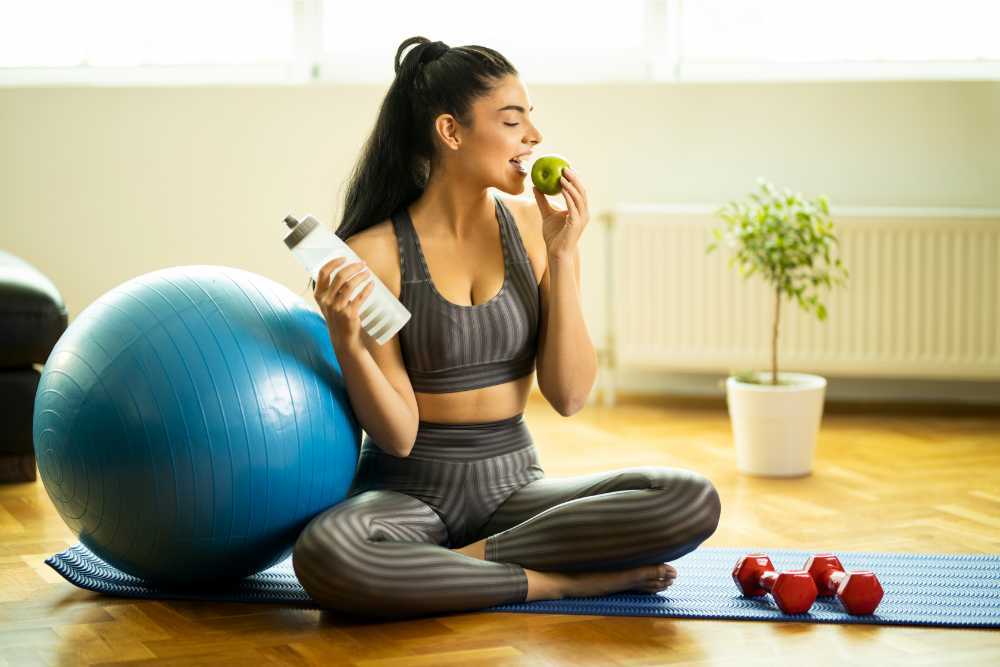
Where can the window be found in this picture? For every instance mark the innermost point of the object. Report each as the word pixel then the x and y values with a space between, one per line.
pixel 822 39
pixel 123 40
pixel 45 33
pixel 298 41
pixel 546 41
pixel 846 30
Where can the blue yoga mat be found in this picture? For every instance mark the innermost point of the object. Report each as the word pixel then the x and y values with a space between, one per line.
pixel 951 590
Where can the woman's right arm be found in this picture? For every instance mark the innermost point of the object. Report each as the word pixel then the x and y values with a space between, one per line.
pixel 377 382
pixel 380 406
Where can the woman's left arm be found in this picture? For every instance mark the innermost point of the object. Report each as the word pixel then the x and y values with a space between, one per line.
pixel 566 362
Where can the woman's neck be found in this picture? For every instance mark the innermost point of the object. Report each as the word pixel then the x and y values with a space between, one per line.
pixel 454 208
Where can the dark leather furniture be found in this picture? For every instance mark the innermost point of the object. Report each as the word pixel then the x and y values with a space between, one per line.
pixel 32 318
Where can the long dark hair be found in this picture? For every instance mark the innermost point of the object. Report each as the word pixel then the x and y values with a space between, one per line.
pixel 395 162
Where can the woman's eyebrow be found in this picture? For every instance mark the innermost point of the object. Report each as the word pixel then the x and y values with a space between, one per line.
pixel 515 107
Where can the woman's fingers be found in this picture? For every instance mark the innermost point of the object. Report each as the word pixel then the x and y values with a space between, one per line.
pixel 343 270
pixel 322 279
pixel 571 197
pixel 574 178
pixel 581 197
pixel 543 203
pixel 346 287
pixel 328 289
pixel 360 298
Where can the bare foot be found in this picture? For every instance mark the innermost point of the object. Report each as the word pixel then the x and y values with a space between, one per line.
pixel 557 585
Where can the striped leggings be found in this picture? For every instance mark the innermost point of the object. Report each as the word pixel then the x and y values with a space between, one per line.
pixel 386 549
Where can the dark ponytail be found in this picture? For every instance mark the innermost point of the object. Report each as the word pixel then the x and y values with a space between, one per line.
pixel 394 165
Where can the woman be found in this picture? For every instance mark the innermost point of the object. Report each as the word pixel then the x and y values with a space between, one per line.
pixel 450 509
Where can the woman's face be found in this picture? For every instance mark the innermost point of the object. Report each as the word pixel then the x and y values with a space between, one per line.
pixel 502 131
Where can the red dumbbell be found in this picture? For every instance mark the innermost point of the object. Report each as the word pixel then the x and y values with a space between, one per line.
pixel 859 591
pixel 794 591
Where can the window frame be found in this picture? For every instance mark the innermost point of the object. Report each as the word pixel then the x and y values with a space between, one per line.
pixel 658 61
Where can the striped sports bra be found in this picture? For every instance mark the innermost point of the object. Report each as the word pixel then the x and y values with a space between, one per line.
pixel 450 347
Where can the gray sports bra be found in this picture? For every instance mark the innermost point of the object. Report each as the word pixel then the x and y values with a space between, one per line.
pixel 450 347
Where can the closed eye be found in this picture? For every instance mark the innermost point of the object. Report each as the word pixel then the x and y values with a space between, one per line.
pixel 511 124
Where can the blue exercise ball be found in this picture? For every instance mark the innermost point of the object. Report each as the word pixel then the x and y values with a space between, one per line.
pixel 191 421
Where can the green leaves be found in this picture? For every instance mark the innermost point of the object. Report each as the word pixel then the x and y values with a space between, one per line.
pixel 784 237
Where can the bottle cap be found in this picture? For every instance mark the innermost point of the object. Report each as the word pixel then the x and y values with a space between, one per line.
pixel 299 229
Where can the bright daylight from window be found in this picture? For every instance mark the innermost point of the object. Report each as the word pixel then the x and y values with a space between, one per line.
pixel 626 40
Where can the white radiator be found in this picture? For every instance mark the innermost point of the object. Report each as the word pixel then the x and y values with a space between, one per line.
pixel 922 299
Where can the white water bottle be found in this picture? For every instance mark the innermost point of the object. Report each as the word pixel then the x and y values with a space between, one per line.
pixel 382 315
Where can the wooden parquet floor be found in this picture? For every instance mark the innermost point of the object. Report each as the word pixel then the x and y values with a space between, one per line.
pixel 890 481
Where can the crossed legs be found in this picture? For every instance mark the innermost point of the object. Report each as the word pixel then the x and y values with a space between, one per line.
pixel 380 552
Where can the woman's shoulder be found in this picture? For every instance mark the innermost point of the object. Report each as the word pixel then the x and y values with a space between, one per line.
pixel 377 246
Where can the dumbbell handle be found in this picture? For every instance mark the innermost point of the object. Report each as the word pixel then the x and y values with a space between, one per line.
pixel 767 579
pixel 830 581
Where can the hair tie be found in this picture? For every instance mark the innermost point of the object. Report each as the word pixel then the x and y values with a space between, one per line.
pixel 433 51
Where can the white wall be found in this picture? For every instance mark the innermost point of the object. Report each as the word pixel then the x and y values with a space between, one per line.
pixel 99 185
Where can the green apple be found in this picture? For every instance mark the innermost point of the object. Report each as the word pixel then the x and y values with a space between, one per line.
pixel 546 172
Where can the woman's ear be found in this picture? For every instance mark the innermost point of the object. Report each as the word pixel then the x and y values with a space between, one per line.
pixel 447 130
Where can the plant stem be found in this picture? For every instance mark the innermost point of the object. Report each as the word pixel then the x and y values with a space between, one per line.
pixel 774 338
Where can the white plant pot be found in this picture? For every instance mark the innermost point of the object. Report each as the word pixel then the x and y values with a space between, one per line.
pixel 775 427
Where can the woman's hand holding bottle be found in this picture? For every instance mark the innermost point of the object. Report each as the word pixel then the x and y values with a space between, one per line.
pixel 340 311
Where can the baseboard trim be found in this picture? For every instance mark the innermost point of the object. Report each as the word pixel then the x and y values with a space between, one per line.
pixel 830 406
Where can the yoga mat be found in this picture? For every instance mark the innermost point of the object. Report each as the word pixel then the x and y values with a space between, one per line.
pixel 948 590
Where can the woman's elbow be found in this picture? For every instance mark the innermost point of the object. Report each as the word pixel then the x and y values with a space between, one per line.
pixel 567 406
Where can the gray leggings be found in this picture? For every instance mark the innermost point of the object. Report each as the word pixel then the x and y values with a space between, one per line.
pixel 386 549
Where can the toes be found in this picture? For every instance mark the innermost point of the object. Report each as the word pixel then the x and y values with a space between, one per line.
pixel 656 585
pixel 662 571
pixel 665 570
pixel 665 575
pixel 655 578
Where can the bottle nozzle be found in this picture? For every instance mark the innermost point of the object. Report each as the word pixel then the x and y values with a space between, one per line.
pixel 291 222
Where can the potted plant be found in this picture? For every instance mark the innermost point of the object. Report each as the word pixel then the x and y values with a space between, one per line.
pixel 775 416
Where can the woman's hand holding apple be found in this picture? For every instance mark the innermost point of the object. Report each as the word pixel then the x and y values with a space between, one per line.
pixel 561 229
